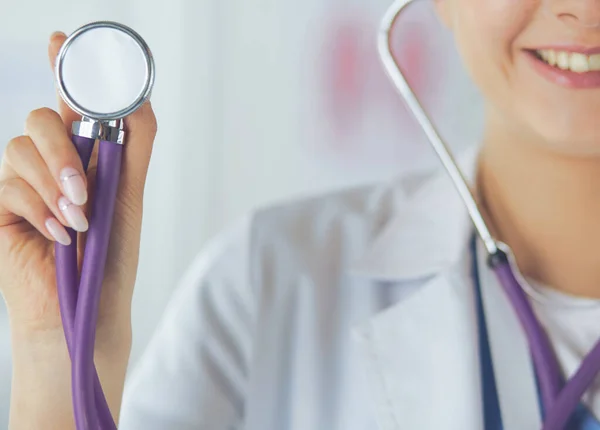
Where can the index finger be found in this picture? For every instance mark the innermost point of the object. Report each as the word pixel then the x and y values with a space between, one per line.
pixel 66 113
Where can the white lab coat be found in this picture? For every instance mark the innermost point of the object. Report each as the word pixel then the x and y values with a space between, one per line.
pixel 349 311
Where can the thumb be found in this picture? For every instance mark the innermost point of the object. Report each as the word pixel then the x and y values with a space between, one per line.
pixel 140 131
pixel 66 113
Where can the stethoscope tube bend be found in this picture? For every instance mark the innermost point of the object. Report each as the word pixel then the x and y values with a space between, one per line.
pixel 67 274
pixel 559 399
pixel 79 298
pixel 79 294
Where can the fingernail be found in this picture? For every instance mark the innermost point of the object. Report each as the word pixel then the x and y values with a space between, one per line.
pixel 73 185
pixel 73 214
pixel 58 232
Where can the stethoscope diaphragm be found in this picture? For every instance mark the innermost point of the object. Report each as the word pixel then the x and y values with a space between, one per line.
pixel 104 71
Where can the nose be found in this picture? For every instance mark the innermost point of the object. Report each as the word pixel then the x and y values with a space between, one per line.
pixel 584 13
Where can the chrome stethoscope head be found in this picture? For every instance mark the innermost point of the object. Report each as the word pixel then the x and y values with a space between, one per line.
pixel 395 73
pixel 104 71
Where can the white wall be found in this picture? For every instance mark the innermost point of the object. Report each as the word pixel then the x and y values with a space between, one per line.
pixel 244 94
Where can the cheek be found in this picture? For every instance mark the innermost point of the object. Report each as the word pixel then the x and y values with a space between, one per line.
pixel 489 36
pixel 486 33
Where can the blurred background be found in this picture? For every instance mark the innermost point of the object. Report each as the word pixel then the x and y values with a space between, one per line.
pixel 258 101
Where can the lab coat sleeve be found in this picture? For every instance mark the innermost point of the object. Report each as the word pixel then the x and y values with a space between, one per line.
pixel 193 374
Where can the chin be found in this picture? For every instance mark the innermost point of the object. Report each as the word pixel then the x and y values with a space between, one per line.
pixel 568 130
pixel 575 143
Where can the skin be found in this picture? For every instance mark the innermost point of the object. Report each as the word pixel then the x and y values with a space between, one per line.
pixel 539 176
pixel 29 191
pixel 539 169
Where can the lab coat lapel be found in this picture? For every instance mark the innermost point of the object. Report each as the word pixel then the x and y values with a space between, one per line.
pixel 422 353
pixel 422 356
pixel 422 359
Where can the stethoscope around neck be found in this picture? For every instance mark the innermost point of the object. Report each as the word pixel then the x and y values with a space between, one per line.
pixel 104 72
pixel 560 398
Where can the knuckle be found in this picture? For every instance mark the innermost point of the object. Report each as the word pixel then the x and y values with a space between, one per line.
pixel 17 190
pixel 8 189
pixel 3 190
pixel 40 115
pixel 15 147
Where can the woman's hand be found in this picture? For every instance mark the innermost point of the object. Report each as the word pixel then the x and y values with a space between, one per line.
pixel 43 189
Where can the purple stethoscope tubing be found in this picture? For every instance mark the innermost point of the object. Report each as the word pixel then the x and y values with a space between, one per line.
pixel 79 293
pixel 559 398
pixel 90 287
pixel 544 358
pixel 79 299
pixel 559 408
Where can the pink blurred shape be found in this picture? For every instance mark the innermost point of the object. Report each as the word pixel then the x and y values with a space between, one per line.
pixel 355 83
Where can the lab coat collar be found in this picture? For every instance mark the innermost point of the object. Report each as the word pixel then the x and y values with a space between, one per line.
pixel 421 353
pixel 421 358
pixel 429 232
pixel 422 362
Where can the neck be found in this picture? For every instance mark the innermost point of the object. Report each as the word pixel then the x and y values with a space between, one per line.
pixel 546 207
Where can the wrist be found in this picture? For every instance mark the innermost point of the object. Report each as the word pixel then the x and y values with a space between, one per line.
pixel 113 336
pixel 41 391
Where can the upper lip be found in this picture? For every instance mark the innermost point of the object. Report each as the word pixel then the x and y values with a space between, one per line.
pixel 570 48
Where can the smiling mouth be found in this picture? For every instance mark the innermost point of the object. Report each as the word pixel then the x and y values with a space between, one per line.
pixel 574 61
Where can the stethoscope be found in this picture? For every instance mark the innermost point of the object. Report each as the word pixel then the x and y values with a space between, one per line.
pixel 104 72
pixel 559 398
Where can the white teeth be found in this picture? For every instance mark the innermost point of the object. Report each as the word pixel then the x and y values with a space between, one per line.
pixel 595 62
pixel 562 60
pixel 574 61
pixel 579 63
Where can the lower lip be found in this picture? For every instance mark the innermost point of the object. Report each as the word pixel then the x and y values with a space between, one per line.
pixel 564 78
